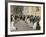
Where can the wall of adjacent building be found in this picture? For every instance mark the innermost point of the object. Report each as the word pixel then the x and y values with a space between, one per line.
pixel 31 11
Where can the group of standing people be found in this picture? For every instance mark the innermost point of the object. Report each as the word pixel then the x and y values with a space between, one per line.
pixel 31 21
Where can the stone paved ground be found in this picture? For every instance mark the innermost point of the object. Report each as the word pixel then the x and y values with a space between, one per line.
pixel 22 26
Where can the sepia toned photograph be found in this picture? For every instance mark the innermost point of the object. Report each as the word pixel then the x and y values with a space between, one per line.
pixel 25 18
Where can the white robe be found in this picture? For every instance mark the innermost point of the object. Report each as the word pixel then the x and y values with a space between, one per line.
pixel 34 26
pixel 12 27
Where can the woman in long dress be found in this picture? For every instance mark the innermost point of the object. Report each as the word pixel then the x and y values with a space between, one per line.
pixel 36 25
pixel 12 27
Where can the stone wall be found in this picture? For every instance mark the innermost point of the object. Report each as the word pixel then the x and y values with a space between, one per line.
pixel 32 11
pixel 28 10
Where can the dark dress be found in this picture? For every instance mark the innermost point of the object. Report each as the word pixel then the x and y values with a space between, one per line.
pixel 38 26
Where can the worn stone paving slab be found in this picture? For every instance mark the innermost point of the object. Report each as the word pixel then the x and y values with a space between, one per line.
pixel 22 26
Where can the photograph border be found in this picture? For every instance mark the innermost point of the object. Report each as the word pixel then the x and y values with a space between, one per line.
pixel 6 17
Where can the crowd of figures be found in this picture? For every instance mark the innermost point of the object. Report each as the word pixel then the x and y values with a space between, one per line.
pixel 31 21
